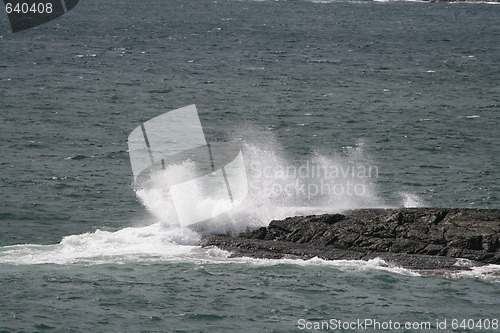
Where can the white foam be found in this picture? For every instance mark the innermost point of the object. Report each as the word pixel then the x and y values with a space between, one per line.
pixel 488 272
pixel 154 243
pixel 157 244
pixel 411 200
pixel 274 194
pixel 215 255
pixel 278 187
pixel 343 265
pixel 146 243
pixel 462 262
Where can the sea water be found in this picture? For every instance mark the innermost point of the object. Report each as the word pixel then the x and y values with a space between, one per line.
pixel 405 91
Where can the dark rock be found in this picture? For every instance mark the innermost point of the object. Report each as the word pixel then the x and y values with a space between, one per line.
pixel 417 238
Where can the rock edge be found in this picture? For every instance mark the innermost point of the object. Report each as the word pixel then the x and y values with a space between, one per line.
pixel 414 238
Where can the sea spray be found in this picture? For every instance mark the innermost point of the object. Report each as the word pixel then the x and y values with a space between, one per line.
pixel 410 200
pixel 277 187
pixel 153 242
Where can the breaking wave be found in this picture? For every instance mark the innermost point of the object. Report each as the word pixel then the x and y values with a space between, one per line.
pixel 278 187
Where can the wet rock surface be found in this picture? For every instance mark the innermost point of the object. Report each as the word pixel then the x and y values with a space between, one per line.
pixel 415 238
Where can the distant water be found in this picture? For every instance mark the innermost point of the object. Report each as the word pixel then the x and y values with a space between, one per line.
pixel 409 88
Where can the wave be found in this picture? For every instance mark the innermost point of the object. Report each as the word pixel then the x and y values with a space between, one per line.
pixel 145 243
pixel 153 244
pixel 279 186
pixel 488 272
pixel 156 244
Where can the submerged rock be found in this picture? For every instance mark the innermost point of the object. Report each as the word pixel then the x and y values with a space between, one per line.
pixel 415 238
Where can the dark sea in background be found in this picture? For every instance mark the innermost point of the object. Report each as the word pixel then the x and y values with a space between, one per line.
pixel 411 88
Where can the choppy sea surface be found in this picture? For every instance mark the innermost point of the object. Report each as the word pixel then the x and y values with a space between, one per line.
pixel 408 90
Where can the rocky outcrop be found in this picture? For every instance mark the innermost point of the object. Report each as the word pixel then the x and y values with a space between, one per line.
pixel 416 238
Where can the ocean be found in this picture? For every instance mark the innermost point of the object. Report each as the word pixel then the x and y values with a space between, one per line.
pixel 404 94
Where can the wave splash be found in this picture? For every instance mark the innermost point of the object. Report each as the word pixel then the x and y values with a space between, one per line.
pixel 278 187
pixel 156 244
pixel 145 243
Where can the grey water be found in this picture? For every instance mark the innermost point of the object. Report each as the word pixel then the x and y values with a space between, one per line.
pixel 411 87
